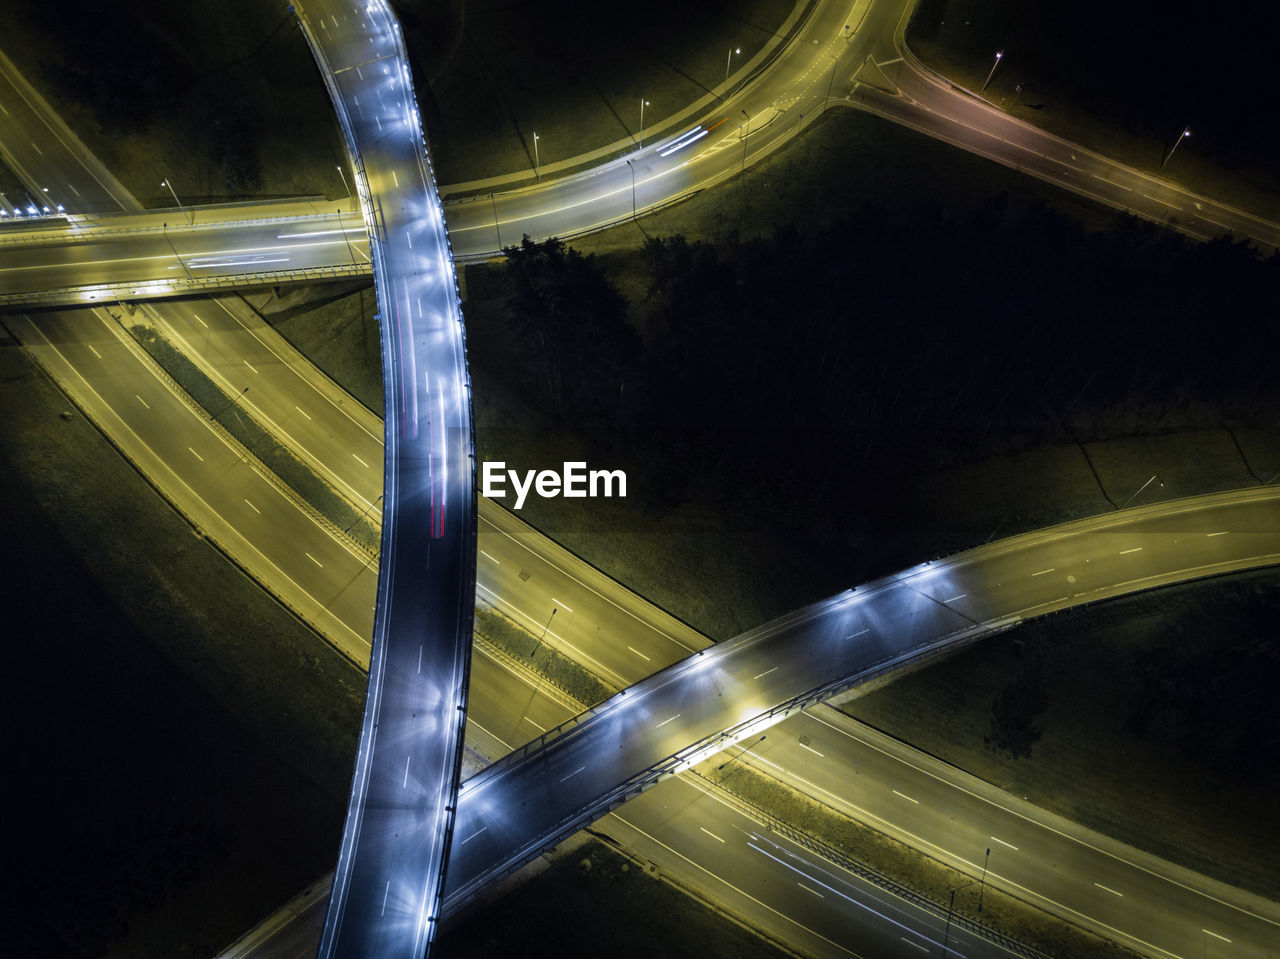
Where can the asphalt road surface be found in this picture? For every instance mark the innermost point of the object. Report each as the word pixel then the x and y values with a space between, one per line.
pixel 390 871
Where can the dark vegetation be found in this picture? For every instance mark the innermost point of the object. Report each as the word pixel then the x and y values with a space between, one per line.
pixel 227 102
pixel 920 349
pixel 258 441
pixel 489 73
pixel 1206 688
pixel 1151 719
pixel 594 902
pixel 166 787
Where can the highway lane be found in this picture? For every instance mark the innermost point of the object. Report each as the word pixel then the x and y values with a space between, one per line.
pixel 389 877
pixel 44 152
pixel 530 572
pixel 172 258
pixel 665 723
pixel 820 67
pixel 209 478
pixel 1115 890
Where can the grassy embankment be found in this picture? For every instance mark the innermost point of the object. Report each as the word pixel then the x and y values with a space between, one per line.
pixel 180 788
pixel 491 79
pixel 1152 726
pixel 224 99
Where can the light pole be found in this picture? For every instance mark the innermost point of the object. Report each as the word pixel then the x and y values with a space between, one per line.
pixel 633 190
pixel 982 883
pixel 743 753
pixel 643 103
pixel 1154 477
pixel 536 164
pixel 190 220
pixel 830 80
pixel 496 228
pixel 732 51
pixel 538 644
pixel 742 135
pixel 233 402
pixel 343 173
pixel 1186 132
pixel 999 57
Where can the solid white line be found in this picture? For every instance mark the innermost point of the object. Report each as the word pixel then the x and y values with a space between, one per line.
pixel 1109 889
pixel 143 402
pixel 494 558
pixel 812 750
pixel 1003 843
pixel 638 653
pixel 710 833
pixel 557 602
pixel 574 773
pixel 665 721
pixel 1043 571
pixel 196 455
pixel 1215 935
pixel 314 560
pixel 254 508
pixel 906 797
pixel 765 673
pixel 1136 549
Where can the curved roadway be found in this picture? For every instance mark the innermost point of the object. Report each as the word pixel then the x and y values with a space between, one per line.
pixel 390 871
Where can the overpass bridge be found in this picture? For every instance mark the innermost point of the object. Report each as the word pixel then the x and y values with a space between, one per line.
pixel 79 261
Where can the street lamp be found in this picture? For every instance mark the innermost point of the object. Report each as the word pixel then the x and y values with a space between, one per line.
pixel 633 190
pixel 999 57
pixel 536 172
pixel 643 103
pixel 1154 478
pixel 190 220
pixel 538 644
pixel 1186 132
pixel 732 51
pixel 830 80
pixel 343 173
pixel 742 135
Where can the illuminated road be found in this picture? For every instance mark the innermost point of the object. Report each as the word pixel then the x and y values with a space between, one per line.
pixel 821 66
pixel 63 171
pixel 753 153
pixel 389 876
pixel 167 258
pixel 524 575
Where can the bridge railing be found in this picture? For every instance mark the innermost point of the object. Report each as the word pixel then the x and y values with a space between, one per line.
pixel 146 289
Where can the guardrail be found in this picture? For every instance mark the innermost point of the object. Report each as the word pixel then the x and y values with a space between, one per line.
pixel 155 289
pixel 694 753
pixel 98 230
